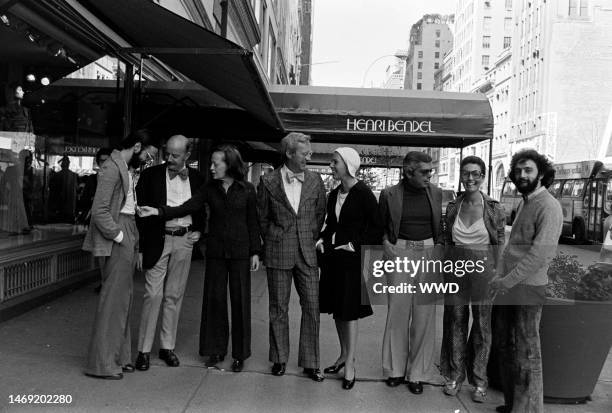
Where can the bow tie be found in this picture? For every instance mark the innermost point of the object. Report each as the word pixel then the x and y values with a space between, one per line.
pixel 291 176
pixel 183 173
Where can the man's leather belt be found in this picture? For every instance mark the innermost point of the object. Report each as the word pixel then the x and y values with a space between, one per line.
pixel 177 231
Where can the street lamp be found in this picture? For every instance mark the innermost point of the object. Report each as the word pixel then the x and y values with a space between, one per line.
pixel 372 64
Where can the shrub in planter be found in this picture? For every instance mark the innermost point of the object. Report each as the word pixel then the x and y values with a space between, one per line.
pixel 576 328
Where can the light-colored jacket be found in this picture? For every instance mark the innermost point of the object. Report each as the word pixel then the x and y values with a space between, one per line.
pixel 113 186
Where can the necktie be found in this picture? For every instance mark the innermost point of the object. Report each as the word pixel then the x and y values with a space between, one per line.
pixel 291 176
pixel 183 173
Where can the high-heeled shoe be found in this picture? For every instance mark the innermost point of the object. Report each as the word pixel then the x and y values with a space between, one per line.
pixel 334 369
pixel 348 384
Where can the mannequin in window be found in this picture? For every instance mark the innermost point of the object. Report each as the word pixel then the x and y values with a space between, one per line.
pixel 62 193
pixel 16 116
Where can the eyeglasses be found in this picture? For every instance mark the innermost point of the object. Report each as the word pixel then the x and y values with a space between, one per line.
pixel 471 174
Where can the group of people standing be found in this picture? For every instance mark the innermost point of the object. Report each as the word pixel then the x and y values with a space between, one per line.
pixel 316 241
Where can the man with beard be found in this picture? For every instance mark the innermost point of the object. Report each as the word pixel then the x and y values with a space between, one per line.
pixel 521 282
pixel 112 234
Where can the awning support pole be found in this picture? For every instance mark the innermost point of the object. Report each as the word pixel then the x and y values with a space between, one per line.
pixel 460 159
pixel 186 50
pixel 128 95
pixel 490 166
pixel 224 7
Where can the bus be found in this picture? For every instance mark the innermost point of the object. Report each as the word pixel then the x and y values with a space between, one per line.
pixel 584 190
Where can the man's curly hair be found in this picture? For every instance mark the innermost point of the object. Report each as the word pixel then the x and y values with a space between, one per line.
pixel 545 167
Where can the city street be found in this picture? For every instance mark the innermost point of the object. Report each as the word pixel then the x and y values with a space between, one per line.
pixel 43 352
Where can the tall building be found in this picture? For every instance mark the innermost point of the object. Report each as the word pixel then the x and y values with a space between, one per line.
pixel 430 40
pixel 395 72
pixel 306 16
pixel 482 30
pixel 562 83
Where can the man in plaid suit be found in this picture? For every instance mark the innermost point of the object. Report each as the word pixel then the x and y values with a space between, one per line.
pixel 291 203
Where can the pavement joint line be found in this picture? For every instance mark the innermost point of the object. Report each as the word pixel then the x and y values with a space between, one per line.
pixel 195 392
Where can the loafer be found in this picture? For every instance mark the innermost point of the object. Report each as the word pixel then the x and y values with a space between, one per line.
pixel 333 369
pixel 117 376
pixel 278 369
pixel 503 409
pixel 128 368
pixel 451 388
pixel 314 374
pixel 143 361
pixel 415 387
pixel 169 357
pixel 213 360
pixel 237 365
pixel 394 381
pixel 479 395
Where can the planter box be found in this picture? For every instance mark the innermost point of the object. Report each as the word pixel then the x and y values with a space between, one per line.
pixel 576 337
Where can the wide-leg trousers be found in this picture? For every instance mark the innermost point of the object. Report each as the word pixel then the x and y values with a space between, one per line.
pixel 279 290
pixel 410 333
pixel 110 345
pixel 520 356
pixel 214 326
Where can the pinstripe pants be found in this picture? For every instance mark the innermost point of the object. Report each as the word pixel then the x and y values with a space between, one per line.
pixel 279 291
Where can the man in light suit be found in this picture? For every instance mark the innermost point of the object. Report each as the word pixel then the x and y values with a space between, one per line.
pixel 411 212
pixel 112 234
pixel 166 248
pixel 291 204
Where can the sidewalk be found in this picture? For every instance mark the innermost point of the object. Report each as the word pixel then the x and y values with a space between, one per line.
pixel 43 352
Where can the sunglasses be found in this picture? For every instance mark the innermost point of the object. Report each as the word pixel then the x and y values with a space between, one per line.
pixel 471 174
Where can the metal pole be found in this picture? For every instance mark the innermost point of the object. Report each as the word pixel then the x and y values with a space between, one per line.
pixel 460 159
pixel 128 95
pixel 490 166
pixel 224 6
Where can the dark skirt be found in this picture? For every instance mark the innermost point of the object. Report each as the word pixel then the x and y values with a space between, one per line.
pixel 342 288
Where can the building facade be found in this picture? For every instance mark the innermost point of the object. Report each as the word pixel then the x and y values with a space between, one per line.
pixel 430 40
pixel 562 84
pixel 396 72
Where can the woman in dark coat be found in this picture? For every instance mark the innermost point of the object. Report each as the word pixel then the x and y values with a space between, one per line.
pixel 233 246
pixel 352 221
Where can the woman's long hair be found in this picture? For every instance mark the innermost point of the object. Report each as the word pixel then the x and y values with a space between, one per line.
pixel 232 158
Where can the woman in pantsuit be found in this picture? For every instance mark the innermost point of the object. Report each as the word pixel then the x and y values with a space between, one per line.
pixel 352 221
pixel 474 222
pixel 233 246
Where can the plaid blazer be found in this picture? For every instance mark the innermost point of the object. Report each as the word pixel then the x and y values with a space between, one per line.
pixel 285 232
pixel 494 220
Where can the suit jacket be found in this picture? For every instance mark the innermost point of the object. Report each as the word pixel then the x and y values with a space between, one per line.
pixel 151 191
pixel 233 229
pixel 285 232
pixel 113 186
pixel 359 221
pixel 391 205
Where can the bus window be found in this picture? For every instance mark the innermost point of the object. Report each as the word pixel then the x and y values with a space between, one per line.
pixel 608 202
pixel 567 188
pixel 554 188
pixel 578 187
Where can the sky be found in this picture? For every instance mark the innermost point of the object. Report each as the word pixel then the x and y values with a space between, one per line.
pixel 350 35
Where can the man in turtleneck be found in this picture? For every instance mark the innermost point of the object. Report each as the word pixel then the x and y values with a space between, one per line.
pixel 411 213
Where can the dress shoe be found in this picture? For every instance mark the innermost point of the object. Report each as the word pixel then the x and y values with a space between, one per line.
pixel 237 365
pixel 415 387
pixel 348 384
pixel 278 369
pixel 451 388
pixel 169 357
pixel 128 368
pixel 142 361
pixel 503 409
pixel 394 381
pixel 479 395
pixel 333 369
pixel 314 374
pixel 214 360
pixel 117 376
